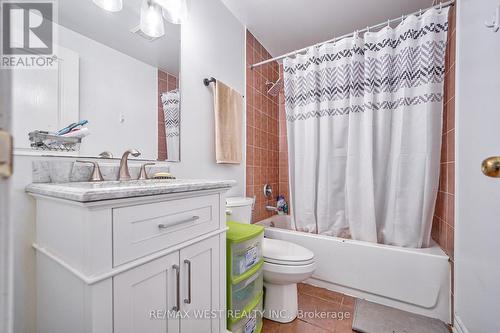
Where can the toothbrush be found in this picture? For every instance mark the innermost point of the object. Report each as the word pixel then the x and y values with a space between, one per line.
pixel 77 133
pixel 70 127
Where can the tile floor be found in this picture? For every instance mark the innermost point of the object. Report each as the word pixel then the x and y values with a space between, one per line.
pixel 313 299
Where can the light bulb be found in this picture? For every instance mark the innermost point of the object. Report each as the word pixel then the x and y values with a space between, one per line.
pixel 175 11
pixel 110 5
pixel 151 19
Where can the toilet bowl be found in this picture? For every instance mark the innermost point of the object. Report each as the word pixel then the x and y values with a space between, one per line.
pixel 285 265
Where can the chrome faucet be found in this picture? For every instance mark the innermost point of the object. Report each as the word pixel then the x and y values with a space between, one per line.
pixel 271 209
pixel 124 173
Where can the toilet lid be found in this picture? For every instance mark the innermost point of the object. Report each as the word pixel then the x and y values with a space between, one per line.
pixel 286 253
pixel 238 201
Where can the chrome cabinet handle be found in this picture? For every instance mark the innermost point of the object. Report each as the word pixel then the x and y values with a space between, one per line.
pixel 177 305
pixel 188 300
pixel 166 226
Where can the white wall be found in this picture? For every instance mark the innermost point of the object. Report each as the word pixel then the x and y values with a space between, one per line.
pixel 477 264
pixel 213 44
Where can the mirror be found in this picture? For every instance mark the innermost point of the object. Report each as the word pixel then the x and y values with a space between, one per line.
pixel 110 73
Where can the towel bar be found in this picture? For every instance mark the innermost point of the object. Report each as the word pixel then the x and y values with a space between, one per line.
pixel 208 81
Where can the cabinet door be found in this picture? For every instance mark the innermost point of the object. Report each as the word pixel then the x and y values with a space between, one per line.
pixel 200 272
pixel 143 297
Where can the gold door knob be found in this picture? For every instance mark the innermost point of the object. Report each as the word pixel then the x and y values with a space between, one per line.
pixel 491 167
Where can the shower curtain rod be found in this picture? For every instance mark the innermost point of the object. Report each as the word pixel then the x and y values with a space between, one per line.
pixel 440 5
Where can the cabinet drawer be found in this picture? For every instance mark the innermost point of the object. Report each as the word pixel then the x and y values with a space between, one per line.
pixel 143 229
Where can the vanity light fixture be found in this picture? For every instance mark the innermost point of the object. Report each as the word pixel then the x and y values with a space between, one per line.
pixel 151 19
pixel 110 5
pixel 174 11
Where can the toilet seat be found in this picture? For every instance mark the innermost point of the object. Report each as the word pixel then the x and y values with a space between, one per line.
pixel 288 263
pixel 288 272
pixel 285 253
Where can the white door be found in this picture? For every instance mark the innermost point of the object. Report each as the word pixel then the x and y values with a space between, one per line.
pixel 5 235
pixel 477 241
pixel 144 297
pixel 200 274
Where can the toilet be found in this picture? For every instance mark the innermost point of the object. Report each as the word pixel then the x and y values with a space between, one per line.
pixel 285 265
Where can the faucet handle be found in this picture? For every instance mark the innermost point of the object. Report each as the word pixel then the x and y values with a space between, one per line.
pixel 96 171
pixel 143 174
pixel 106 154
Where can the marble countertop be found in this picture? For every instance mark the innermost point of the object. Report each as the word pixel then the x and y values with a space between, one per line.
pixel 106 190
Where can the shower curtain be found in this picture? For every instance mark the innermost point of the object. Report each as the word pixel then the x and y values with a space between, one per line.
pixel 364 119
pixel 171 111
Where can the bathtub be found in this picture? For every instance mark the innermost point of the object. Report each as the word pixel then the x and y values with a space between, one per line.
pixel 415 280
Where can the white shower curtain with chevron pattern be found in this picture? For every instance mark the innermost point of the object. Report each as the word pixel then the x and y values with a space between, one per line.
pixel 364 119
pixel 171 113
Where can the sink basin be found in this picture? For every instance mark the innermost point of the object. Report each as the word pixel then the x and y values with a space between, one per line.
pixel 106 190
pixel 122 184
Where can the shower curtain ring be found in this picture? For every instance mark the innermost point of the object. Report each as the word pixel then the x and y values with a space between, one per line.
pixel 388 23
pixel 420 13
pixel 440 7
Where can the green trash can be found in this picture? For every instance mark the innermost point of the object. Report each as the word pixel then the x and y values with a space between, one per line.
pixel 245 278
pixel 250 319
pixel 241 291
pixel 244 248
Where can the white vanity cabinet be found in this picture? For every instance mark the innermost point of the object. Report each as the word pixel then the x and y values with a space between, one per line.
pixel 131 265
pixel 155 296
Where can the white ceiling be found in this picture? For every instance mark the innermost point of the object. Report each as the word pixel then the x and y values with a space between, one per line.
pixel 286 25
pixel 113 30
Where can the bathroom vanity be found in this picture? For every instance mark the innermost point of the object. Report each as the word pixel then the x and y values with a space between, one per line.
pixel 129 257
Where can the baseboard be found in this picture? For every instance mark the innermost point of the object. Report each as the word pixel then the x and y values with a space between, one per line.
pixel 459 326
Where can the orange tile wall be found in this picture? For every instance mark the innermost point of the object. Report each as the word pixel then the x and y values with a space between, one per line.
pixel 444 216
pixel 443 226
pixel 262 129
pixel 166 82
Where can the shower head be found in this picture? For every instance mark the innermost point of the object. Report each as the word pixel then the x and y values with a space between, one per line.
pixel 275 87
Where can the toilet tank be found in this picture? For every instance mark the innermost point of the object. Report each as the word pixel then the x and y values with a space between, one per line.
pixel 239 209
